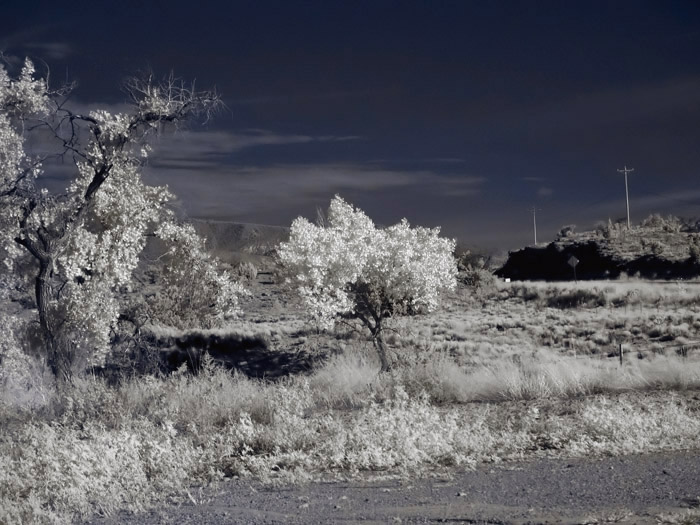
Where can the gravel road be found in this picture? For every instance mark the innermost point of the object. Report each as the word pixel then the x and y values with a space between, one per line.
pixel 629 489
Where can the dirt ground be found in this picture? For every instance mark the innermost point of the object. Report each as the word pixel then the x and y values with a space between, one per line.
pixel 641 489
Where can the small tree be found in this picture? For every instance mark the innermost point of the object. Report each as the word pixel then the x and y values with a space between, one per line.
pixel 566 231
pixel 348 268
pixel 475 272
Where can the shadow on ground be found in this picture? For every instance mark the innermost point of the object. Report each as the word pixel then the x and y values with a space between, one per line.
pixel 249 355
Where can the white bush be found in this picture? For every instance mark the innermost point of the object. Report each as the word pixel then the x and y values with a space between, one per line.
pixel 349 268
pixel 194 293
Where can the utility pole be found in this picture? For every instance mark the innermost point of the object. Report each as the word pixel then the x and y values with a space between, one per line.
pixel 627 194
pixel 534 222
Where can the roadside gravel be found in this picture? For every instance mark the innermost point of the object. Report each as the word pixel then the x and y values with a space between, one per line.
pixel 652 488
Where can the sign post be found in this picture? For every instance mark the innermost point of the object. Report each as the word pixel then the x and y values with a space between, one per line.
pixel 573 261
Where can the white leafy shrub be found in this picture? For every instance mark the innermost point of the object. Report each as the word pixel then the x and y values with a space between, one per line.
pixel 349 268
pixel 14 364
pixel 194 292
pixel 399 269
pixel 247 270
pixel 21 375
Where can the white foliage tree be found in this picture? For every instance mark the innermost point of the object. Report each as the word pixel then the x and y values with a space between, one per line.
pixel 349 268
pixel 86 242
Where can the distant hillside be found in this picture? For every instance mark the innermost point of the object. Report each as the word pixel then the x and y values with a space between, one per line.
pixel 227 239
pixel 658 248
pixel 231 242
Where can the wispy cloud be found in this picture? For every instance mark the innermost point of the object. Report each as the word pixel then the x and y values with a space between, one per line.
pixel 207 171
pixel 284 189
pixel 449 160
pixel 51 50
pixel 14 47
pixel 203 166
pixel 287 98
pixel 178 150
pixel 545 191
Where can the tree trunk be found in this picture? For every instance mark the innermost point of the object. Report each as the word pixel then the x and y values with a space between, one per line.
pixel 375 328
pixel 381 350
pixel 57 357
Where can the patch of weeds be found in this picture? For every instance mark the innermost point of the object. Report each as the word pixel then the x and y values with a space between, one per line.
pixel 577 299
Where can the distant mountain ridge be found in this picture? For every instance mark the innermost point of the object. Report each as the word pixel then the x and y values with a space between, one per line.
pixel 231 242
pixel 236 237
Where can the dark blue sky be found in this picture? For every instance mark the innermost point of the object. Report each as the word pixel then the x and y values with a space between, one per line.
pixel 460 114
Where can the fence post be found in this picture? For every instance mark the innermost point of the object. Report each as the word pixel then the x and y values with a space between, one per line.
pixel 621 353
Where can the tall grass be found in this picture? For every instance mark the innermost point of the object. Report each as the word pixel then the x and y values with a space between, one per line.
pixel 602 293
pixel 96 448
pixel 348 379
pixel 533 378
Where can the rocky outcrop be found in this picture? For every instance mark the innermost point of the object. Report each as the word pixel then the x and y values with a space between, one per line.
pixel 551 263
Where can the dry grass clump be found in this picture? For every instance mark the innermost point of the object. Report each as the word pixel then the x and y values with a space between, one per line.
pixel 686 517
pixel 58 473
pixel 24 381
pixel 347 380
pixel 533 378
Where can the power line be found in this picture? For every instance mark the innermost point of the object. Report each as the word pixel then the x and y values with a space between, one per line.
pixel 626 170
pixel 534 211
